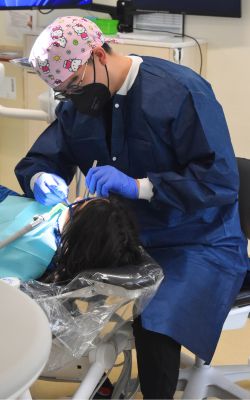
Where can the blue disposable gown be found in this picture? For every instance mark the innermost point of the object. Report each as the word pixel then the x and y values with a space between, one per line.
pixel 170 128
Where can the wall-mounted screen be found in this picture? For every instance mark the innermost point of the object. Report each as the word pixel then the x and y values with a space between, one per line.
pixel 221 8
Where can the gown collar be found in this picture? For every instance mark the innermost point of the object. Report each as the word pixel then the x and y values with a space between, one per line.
pixel 131 76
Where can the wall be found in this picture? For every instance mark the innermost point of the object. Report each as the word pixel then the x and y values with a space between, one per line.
pixel 228 69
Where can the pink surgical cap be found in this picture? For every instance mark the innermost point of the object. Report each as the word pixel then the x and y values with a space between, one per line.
pixel 64 46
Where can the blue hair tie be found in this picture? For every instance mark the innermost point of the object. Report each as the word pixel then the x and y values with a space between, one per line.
pixel 71 205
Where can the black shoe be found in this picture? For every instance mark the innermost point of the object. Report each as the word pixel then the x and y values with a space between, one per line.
pixel 105 391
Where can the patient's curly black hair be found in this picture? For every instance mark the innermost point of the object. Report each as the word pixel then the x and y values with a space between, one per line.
pixel 102 234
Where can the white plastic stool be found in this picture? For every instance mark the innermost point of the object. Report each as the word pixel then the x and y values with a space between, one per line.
pixel 25 342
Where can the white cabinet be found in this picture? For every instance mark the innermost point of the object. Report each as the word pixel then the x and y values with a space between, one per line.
pixel 183 51
pixel 13 132
pixel 33 87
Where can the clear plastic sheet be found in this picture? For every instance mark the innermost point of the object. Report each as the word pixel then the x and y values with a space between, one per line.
pixel 94 305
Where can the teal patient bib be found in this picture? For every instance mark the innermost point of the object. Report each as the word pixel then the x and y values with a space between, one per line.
pixel 28 256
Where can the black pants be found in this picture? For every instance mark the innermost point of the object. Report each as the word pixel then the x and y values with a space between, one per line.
pixel 158 359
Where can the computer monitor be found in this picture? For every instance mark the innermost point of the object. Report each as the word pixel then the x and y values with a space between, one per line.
pixel 49 4
pixel 220 8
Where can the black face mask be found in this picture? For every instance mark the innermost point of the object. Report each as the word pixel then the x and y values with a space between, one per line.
pixel 92 97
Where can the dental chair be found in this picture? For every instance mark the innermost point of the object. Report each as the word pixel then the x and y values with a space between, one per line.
pixel 90 319
pixel 199 380
pixel 25 342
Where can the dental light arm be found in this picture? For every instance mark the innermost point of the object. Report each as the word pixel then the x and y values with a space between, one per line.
pixel 23 113
pixel 46 100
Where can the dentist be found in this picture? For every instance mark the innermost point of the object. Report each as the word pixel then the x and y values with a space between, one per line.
pixel 162 143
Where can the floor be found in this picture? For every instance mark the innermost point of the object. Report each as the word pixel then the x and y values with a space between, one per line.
pixel 233 348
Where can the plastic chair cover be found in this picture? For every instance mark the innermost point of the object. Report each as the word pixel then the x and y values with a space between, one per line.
pixel 94 305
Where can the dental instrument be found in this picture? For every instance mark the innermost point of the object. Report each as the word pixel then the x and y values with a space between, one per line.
pixel 86 192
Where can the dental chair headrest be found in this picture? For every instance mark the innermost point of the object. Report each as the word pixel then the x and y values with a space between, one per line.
pixel 145 274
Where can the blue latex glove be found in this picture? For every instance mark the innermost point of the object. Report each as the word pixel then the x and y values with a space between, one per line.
pixel 50 189
pixel 102 180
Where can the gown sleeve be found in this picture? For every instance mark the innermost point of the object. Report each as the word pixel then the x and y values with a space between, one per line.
pixel 50 153
pixel 206 173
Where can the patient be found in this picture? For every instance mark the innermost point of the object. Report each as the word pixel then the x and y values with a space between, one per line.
pixel 99 234
pixel 95 233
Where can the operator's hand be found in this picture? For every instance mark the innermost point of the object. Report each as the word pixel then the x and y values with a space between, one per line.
pixel 50 189
pixel 102 180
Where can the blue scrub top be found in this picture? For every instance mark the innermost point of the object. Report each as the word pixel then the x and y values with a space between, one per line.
pixel 169 128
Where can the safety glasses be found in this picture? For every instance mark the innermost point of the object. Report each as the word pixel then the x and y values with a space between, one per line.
pixel 72 89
